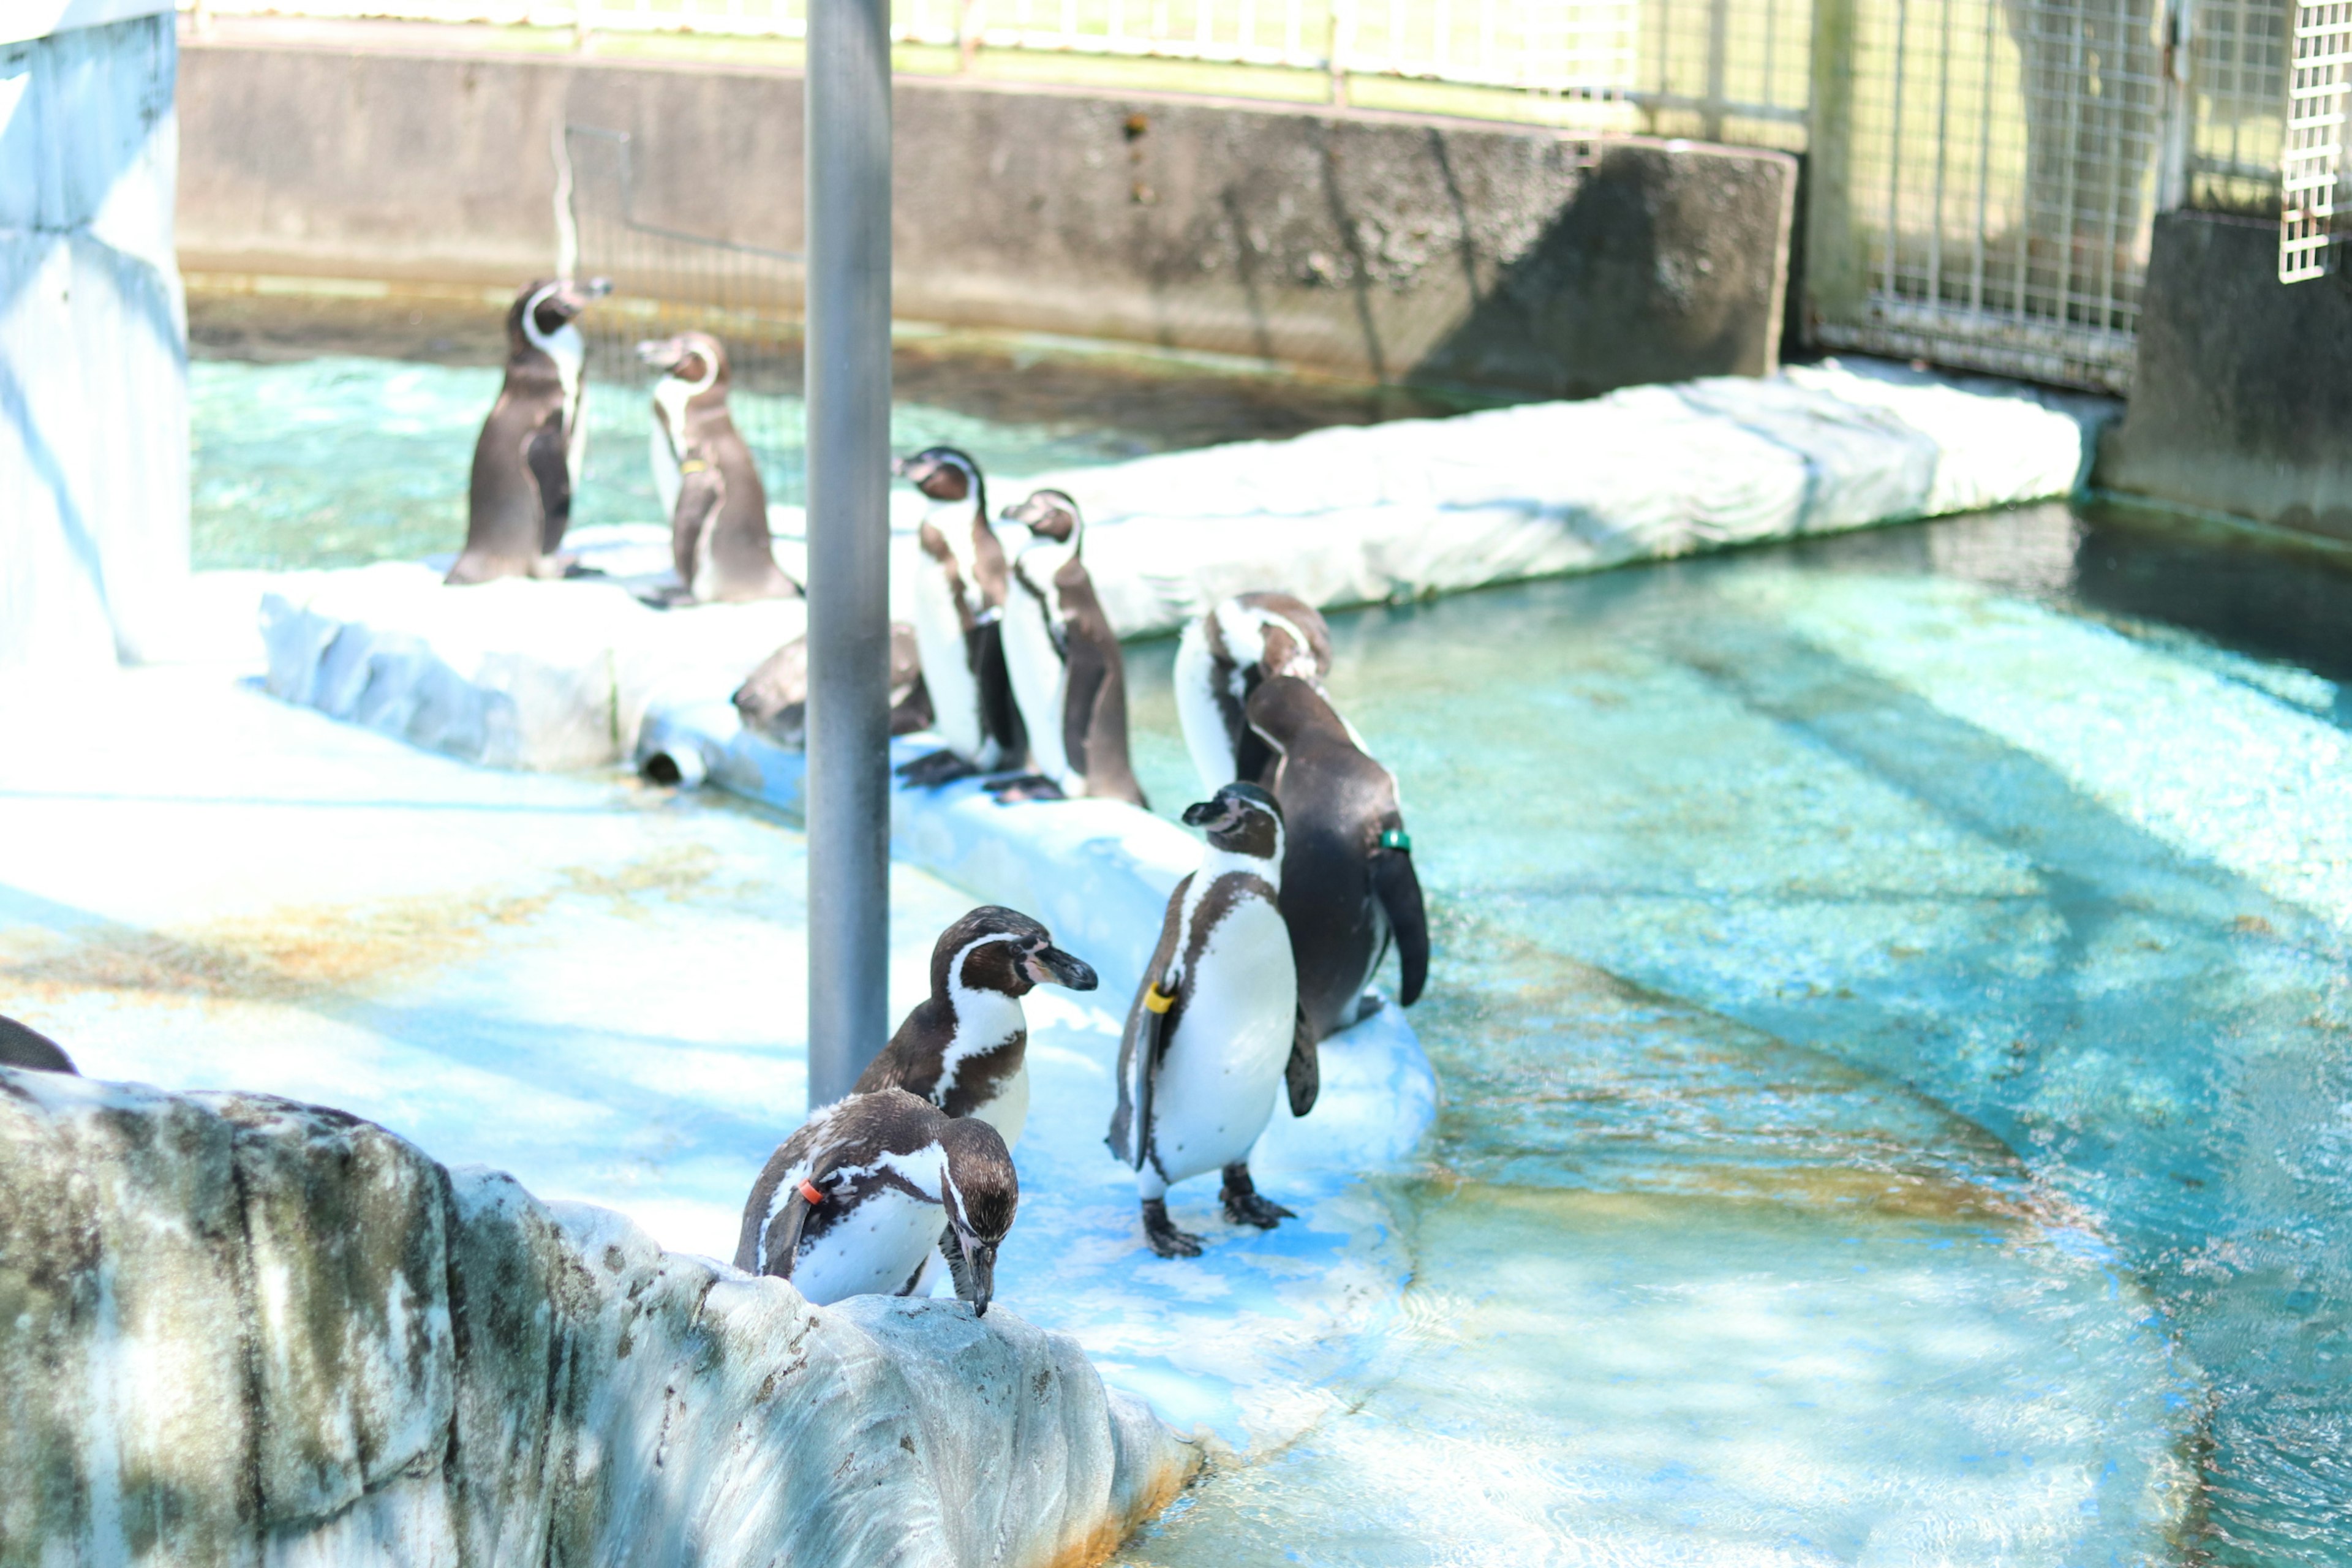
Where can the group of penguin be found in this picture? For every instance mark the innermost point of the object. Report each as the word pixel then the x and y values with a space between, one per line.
pixel 534 442
pixel 1306 882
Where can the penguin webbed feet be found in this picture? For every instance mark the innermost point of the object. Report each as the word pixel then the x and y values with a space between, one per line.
pixel 933 769
pixel 1161 1232
pixel 1244 1204
pixel 1012 789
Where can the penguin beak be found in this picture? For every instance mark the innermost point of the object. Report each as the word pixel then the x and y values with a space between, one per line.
pixel 578 294
pixel 905 468
pixel 1052 966
pixel 980 1270
pixel 665 354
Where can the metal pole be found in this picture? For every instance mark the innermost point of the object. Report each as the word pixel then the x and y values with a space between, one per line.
pixel 848 190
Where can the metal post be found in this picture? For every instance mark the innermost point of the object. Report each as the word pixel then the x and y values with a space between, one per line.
pixel 848 377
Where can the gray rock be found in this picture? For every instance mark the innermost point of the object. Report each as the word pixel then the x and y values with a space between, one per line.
pixel 235 1329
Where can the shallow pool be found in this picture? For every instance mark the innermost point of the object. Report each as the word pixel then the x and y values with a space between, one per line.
pixel 1891 1002
pixel 1890 997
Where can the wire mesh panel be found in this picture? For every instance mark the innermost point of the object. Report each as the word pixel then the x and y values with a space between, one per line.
pixel 2237 78
pixel 1728 70
pixel 665 280
pixel 2312 162
pixel 1997 181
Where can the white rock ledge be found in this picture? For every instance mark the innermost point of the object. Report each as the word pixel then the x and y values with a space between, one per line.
pixel 555 674
pixel 236 1330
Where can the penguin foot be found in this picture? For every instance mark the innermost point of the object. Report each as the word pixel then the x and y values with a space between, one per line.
pixel 1014 788
pixel 1244 1204
pixel 1161 1232
pixel 935 768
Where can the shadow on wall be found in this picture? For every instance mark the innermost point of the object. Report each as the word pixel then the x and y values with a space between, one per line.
pixel 1651 271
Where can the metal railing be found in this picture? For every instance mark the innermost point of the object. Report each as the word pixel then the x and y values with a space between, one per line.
pixel 2312 162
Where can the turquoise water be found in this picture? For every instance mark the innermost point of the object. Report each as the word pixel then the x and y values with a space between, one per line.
pixel 1892 1004
pixel 1891 1001
pixel 341 461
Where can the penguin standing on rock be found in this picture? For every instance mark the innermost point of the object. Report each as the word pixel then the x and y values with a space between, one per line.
pixel 1213 1035
pixel 533 445
pixel 965 1047
pixel 960 593
pixel 1348 884
pixel 1220 660
pixel 851 1204
pixel 717 507
pixel 1064 659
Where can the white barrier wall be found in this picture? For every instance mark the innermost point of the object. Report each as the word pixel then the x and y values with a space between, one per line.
pixel 93 335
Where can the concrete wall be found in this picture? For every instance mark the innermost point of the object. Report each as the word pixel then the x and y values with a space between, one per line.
pixel 2242 399
pixel 1382 246
pixel 93 356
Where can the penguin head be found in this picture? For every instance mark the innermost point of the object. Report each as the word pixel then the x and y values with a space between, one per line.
pixel 980 1190
pixel 942 473
pixel 546 306
pixel 1048 514
pixel 696 359
pixel 1240 819
pixel 1001 950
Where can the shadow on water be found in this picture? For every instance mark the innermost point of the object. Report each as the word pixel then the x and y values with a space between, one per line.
pixel 1718 901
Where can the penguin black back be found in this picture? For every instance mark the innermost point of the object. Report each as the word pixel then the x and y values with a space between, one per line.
pixel 519 499
pixel 22 1046
pixel 1349 887
pixel 720 542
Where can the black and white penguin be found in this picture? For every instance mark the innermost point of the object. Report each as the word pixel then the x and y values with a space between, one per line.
pixel 1348 883
pixel 965 1047
pixel 1220 660
pixel 958 598
pixel 1213 1035
pixel 1069 676
pixel 717 507
pixel 534 444
pixel 853 1203
pixel 22 1046
pixel 774 699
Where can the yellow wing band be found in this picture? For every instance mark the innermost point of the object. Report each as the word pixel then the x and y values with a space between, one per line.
pixel 1157 1001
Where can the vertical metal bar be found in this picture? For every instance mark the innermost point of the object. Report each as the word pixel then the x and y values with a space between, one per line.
pixel 1342 45
pixel 1984 161
pixel 1895 148
pixel 1935 295
pixel 1718 47
pixel 847 138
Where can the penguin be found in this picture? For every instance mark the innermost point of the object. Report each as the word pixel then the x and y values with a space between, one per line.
pixel 851 1204
pixel 1221 658
pixel 717 507
pixel 1213 1035
pixel 965 1047
pixel 1069 676
pixel 22 1046
pixel 1348 882
pixel 959 595
pixel 774 699
pixel 534 444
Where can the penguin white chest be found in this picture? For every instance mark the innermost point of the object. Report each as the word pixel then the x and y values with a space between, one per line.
pixel 872 1249
pixel 947 661
pixel 1038 675
pixel 1223 1066
pixel 1008 1113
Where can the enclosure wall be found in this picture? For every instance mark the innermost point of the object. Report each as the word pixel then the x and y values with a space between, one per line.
pixel 2242 403
pixel 93 375
pixel 1386 245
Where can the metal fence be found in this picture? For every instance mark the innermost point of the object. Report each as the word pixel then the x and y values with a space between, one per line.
pixel 1983 173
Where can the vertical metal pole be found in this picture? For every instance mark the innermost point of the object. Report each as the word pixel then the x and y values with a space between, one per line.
pixel 848 190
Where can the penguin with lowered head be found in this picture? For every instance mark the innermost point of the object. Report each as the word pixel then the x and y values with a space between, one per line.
pixel 1220 660
pixel 965 1046
pixel 774 699
pixel 959 593
pixel 1212 1037
pixel 1348 889
pixel 851 1204
pixel 533 445
pixel 718 507
pixel 1069 676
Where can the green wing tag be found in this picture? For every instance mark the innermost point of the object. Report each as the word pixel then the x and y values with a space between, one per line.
pixel 1396 838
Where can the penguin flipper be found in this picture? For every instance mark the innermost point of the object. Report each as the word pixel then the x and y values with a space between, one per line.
pixel 700 496
pixel 1151 1034
pixel 1303 1074
pixel 550 469
pixel 1399 888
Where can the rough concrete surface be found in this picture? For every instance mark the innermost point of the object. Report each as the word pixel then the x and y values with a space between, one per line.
pixel 242 1330
pixel 2242 403
pixel 1385 246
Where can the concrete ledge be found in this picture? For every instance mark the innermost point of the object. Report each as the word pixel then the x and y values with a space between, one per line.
pixel 2242 399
